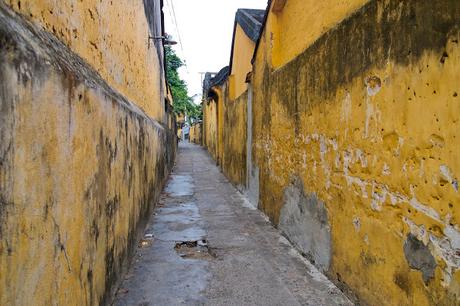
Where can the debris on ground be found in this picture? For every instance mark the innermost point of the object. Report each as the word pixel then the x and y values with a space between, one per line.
pixel 146 241
pixel 194 249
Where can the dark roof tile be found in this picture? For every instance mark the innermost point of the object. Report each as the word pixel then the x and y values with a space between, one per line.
pixel 251 21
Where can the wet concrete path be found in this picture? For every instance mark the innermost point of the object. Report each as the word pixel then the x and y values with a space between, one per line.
pixel 206 245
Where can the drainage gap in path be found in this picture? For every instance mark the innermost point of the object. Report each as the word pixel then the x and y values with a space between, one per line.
pixel 194 249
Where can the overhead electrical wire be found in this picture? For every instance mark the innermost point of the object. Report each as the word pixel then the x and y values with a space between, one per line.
pixel 172 14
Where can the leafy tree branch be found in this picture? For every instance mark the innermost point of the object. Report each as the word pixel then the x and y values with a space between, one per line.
pixel 183 103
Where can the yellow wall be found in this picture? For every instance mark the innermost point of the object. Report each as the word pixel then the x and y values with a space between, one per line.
pixel 222 92
pixel 234 140
pixel 213 116
pixel 243 51
pixel 210 127
pixel 81 167
pixel 195 134
pixel 180 118
pixel 230 113
pixel 112 36
pixel 225 133
pixel 367 120
pixel 288 42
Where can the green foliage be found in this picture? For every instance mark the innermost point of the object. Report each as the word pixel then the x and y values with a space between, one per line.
pixel 183 103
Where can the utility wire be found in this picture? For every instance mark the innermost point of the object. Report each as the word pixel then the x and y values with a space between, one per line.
pixel 177 26
pixel 172 14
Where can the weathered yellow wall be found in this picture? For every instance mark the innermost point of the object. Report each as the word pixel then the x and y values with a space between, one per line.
pixel 320 17
pixel 213 117
pixel 198 139
pixel 180 118
pixel 234 162
pixel 361 129
pixel 112 36
pixel 195 133
pixel 230 113
pixel 243 51
pixel 210 127
pixel 222 92
pixel 225 133
pixel 81 167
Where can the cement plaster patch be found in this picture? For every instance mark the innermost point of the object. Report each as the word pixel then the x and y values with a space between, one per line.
pixel 304 221
pixel 419 257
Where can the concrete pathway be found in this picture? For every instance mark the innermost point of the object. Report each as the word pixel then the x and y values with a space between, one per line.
pixel 206 245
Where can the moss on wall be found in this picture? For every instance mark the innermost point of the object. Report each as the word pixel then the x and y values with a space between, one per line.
pixel 221 104
pixel 225 117
pixel 321 16
pixel 210 127
pixel 81 168
pixel 225 133
pixel 367 117
pixel 234 146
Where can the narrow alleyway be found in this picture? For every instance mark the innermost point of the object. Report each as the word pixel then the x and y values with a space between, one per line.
pixel 206 245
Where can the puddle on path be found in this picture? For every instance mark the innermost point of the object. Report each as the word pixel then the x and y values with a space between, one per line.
pixel 180 185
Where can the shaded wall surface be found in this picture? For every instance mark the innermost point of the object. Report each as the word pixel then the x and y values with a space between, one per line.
pixel 81 166
pixel 356 139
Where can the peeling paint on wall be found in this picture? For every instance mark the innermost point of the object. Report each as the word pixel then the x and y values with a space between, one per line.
pixel 366 115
